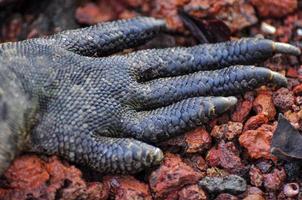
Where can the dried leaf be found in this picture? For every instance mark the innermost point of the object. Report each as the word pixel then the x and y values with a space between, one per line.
pixel 287 141
pixel 206 30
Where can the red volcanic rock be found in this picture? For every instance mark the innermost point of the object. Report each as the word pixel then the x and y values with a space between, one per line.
pixel 298 89
pixel 226 156
pixel 263 103
pixel 256 176
pixel 192 192
pixel 169 10
pixel 273 8
pixel 226 196
pixel 29 176
pixel 255 122
pixel 292 72
pixel 257 142
pixel 237 14
pixel 228 131
pixel 127 187
pixel 195 141
pixel 284 99
pixel 91 13
pixel 254 197
pixel 197 163
pixel 242 110
pixel 273 181
pixel 171 176
pixel 294 118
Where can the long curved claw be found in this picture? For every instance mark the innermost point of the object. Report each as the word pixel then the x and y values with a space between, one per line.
pixel 285 48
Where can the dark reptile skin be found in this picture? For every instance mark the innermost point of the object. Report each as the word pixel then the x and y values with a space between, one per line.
pixel 99 112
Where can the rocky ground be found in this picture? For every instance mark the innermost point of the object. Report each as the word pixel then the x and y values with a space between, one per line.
pixel 231 155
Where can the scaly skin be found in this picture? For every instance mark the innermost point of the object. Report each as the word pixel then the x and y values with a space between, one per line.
pixel 102 112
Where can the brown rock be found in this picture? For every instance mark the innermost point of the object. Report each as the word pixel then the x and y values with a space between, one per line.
pixel 237 14
pixel 13 29
pixel 284 99
pixel 29 176
pixel 254 190
pixel 257 142
pixel 294 118
pixel 197 163
pixel 255 122
pixel 272 8
pixel 214 172
pixel 226 156
pixel 263 103
pixel 97 191
pixel 168 9
pixel 196 141
pixel 172 196
pixel 292 72
pixel 134 3
pixel 127 14
pixel 228 131
pixel 298 90
pixel 299 101
pixel 256 176
pixel 242 110
pixel 171 176
pixel 226 196
pixel 222 119
pixel 91 14
pixel 127 188
pixel 192 192
pixel 286 32
pixel 273 181
pixel 254 197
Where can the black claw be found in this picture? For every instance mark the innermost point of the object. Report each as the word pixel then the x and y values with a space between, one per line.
pixel 279 47
pixel 222 104
pixel 278 79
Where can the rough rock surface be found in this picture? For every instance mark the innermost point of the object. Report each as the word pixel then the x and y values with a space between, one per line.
pixel 31 177
pixel 127 187
pixel 171 176
pixel 232 183
pixel 263 104
pixel 196 141
pixel 268 8
pixel 226 155
pixel 242 110
pixel 257 142
pixel 284 99
pixel 228 131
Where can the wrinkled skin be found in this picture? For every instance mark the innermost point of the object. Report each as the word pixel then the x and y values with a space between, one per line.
pixel 66 95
